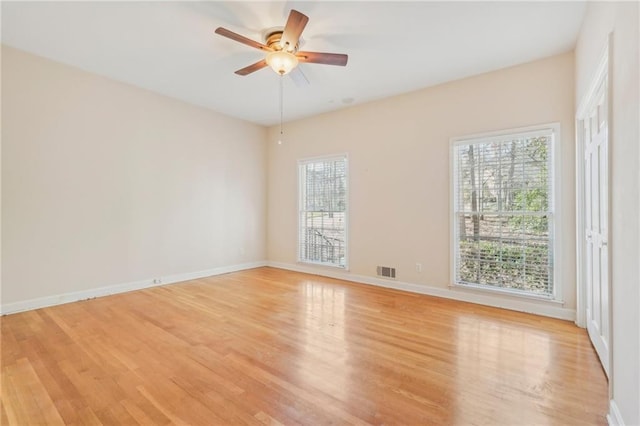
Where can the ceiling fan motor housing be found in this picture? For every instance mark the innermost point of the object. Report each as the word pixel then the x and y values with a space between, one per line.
pixel 273 41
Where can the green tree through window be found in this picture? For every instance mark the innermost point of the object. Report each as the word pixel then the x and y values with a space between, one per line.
pixel 503 212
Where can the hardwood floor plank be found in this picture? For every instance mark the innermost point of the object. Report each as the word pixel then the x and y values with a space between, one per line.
pixel 4 418
pixel 265 419
pixel 268 346
pixel 30 396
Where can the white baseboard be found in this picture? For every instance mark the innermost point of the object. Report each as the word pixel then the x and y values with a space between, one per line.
pixel 43 302
pixel 614 418
pixel 514 304
pixel 489 300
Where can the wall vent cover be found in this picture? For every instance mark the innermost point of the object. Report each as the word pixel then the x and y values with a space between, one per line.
pixel 385 271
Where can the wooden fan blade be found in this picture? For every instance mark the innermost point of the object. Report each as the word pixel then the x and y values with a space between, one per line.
pixel 299 78
pixel 252 68
pixel 323 58
pixel 293 29
pixel 242 39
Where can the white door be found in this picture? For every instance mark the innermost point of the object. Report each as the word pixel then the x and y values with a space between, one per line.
pixel 596 220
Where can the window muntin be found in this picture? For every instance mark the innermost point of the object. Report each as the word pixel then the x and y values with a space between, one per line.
pixel 503 212
pixel 322 230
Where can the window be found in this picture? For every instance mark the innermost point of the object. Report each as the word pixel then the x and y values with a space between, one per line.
pixel 322 231
pixel 503 212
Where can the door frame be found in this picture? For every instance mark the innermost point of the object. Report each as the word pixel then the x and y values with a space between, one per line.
pixel 603 71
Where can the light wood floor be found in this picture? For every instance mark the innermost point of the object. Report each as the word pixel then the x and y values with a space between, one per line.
pixel 277 347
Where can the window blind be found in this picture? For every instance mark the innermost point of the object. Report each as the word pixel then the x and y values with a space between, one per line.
pixel 323 211
pixel 503 212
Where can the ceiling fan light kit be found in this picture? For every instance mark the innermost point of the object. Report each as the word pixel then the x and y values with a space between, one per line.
pixel 282 62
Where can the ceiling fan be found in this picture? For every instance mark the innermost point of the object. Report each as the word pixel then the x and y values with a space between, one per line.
pixel 281 47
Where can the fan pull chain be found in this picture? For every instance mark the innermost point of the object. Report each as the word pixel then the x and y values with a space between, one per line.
pixel 281 106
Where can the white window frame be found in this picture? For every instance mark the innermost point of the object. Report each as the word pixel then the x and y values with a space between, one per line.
pixel 302 162
pixel 555 233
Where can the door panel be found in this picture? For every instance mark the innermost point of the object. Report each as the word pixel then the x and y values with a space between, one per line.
pixel 596 261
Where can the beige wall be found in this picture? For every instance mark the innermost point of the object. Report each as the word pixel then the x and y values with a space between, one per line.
pixel 104 183
pixel 399 166
pixel 621 19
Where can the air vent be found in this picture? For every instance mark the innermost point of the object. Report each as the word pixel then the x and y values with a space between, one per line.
pixel 385 271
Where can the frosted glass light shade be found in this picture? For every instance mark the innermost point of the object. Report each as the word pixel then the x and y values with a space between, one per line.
pixel 282 62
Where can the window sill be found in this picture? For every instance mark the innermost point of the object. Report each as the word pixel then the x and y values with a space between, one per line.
pixel 323 265
pixel 505 292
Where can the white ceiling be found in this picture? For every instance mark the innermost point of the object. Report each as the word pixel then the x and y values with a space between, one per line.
pixel 393 47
